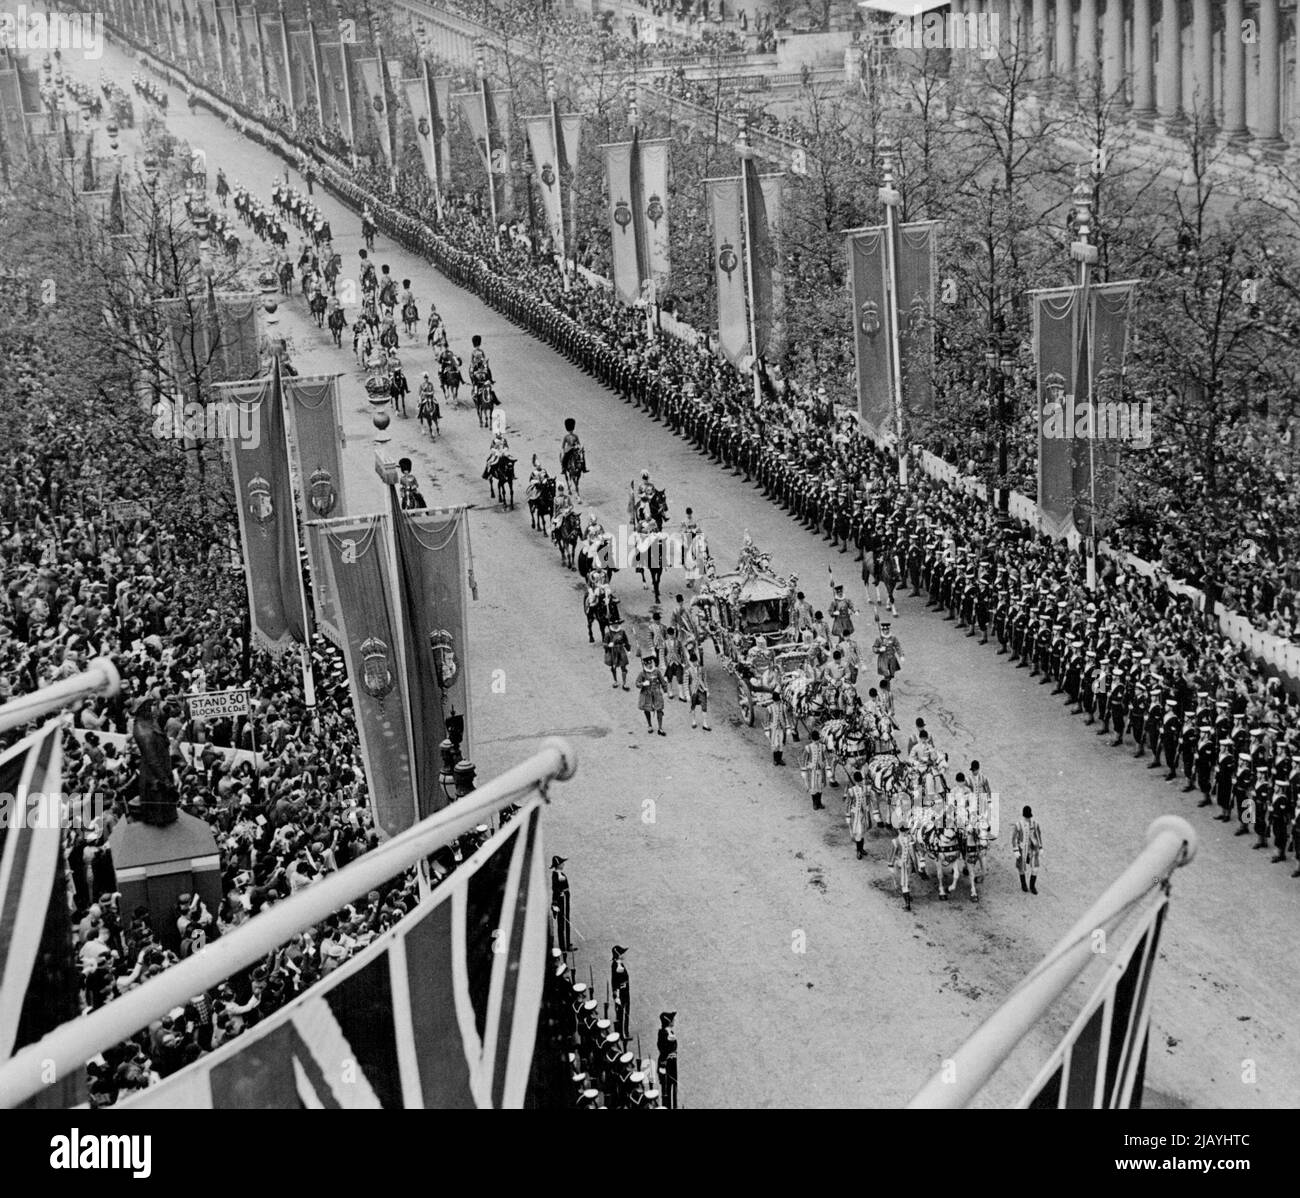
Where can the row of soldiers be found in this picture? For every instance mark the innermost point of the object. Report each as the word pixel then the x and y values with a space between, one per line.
pixel 600 1068
pixel 1250 774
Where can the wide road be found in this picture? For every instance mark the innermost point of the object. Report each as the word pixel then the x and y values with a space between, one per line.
pixel 798 978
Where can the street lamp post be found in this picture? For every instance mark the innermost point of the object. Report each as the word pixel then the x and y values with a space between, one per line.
pixel 1084 254
pixel 891 198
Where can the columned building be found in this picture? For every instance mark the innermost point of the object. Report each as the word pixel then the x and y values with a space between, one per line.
pixel 1233 61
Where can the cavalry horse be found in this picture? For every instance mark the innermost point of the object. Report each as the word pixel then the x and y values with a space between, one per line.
pixel 541 498
pixel 337 323
pixel 601 611
pixel 500 474
pixel 566 534
pixel 449 377
pixel 317 305
pixel 573 465
pixel 485 399
pixel 410 317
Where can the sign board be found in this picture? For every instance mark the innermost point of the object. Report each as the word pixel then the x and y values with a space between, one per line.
pixel 128 509
pixel 215 705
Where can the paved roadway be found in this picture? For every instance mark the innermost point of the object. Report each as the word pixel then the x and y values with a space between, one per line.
pixel 798 978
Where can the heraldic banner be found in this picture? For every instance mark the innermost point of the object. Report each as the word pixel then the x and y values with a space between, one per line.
pixel 914 260
pixel 213 338
pixel 773 186
pixel 338 105
pixel 439 1013
pixel 264 495
pixel 441 93
pixel 373 79
pixel 313 405
pixel 654 209
pixel 1096 474
pixel 628 254
pixel 729 272
pixel 870 330
pixel 541 139
pixel 357 571
pixel 1101 1063
pixel 420 98
pixel 432 572
pixel 251 30
pixel 1057 320
pixel 275 47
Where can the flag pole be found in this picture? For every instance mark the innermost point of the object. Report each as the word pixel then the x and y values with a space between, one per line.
pixel 1085 255
pixel 890 198
pixel 304 650
pixel 556 134
pixel 481 72
pixel 431 104
pixel 744 152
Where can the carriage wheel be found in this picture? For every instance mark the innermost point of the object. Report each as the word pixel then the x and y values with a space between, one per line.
pixel 746 699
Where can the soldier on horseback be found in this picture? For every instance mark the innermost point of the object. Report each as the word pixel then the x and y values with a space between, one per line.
pixel 573 458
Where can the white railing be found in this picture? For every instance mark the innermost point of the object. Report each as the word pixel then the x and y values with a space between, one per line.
pixel 99 679
pixel 1171 843
pixel 69 1047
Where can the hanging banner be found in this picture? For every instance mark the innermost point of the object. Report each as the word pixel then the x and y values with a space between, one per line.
pixel 1101 1063
pixel 1115 422
pixel 541 140
pixel 432 552
pixel 498 113
pixel 439 1013
pixel 317 429
pixel 250 30
pixel 264 494
pixel 318 93
pixel 915 262
pixel 207 26
pixel 1057 319
pixel 338 105
pixel 325 608
pixel 233 71
pixel 625 228
pixel 376 105
pixel 441 126
pixel 866 249
pixel 180 42
pixel 729 272
pixel 275 47
pixel 773 189
pixel 302 70
pixel 357 571
pixel 654 209
pixel 213 340
pixel 762 257
pixel 419 97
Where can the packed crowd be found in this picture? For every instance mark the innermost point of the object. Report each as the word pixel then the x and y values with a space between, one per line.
pixel 160 599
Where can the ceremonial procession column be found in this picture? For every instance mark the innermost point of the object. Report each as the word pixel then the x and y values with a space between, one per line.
pixel 1144 84
pixel 1234 71
pixel 1039 39
pixel 1203 60
pixel 1064 37
pixel 1269 114
pixel 1112 41
pixel 1171 61
pixel 1087 37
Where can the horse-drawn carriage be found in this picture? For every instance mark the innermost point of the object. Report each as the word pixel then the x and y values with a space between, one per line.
pixel 748 616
